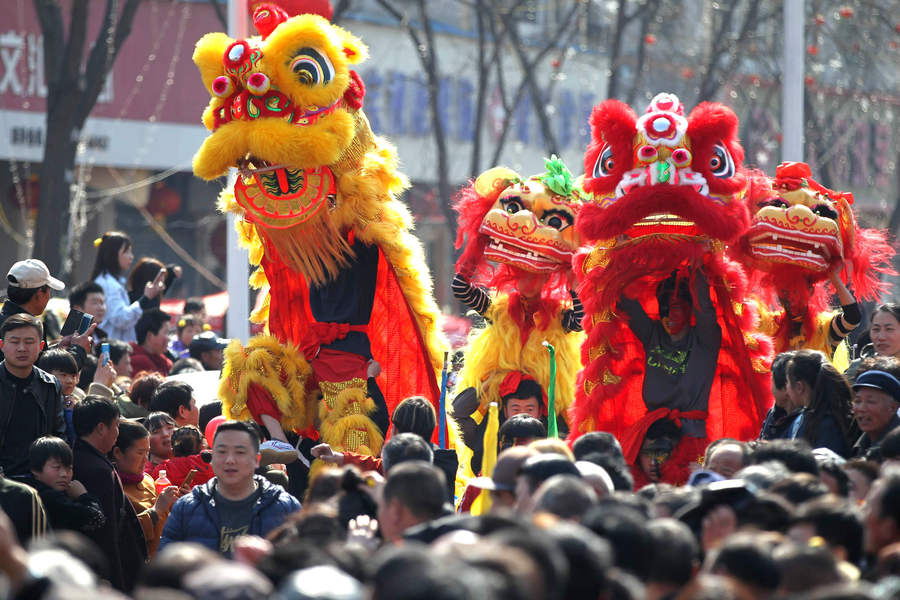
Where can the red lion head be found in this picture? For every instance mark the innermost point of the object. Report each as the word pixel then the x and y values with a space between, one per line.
pixel 663 177
pixel 801 230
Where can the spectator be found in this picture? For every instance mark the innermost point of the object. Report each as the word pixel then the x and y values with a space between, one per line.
pixel 235 502
pixel 25 509
pixel 31 402
pixel 176 398
pixel 502 482
pixel 196 308
pixel 881 515
pixel 152 508
pixel 208 349
pixel 835 521
pixel 97 426
pixel 145 272
pixel 89 298
pixel 805 568
pixel 796 455
pixel 149 351
pixel 779 418
pixel 62 365
pixel 405 447
pixel 673 558
pixel 161 427
pixel 187 446
pixel 747 560
pixel 824 395
pixel 601 442
pixel 114 258
pixel 876 397
pixel 726 457
pixel 566 496
pixel 535 471
pixel 66 501
pixel 143 386
pixel 860 474
pixel 185 329
pixel 28 291
pixel 186 365
pixel 520 430
pixel 120 357
pixel 413 494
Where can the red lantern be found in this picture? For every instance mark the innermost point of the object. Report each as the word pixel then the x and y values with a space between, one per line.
pixel 813 50
pixel 555 63
pixel 755 80
pixel 164 201
pixel 809 80
pixel 296 7
pixel 687 72
pixel 649 39
pixel 846 12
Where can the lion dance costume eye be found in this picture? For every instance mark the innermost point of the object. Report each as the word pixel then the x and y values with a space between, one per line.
pixel 316 200
pixel 667 196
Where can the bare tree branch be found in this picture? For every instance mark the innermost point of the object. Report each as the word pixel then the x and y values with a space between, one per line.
pixel 49 15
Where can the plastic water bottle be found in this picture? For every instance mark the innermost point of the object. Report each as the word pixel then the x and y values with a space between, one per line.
pixel 162 482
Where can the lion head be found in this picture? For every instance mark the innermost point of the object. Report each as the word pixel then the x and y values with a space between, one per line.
pixel 663 177
pixel 521 225
pixel 801 229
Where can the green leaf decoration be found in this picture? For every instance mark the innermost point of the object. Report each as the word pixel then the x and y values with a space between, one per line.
pixel 558 178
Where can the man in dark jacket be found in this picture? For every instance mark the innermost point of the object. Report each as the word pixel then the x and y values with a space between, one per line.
pixel 31 403
pixel 235 502
pixel 121 539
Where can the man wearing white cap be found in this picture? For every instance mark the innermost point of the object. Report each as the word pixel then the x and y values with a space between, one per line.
pixel 28 288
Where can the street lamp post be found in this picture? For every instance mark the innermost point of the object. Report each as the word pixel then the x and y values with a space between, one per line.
pixel 792 84
pixel 237 324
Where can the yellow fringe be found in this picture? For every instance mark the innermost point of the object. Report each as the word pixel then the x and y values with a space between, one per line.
pixel 262 362
pixel 347 426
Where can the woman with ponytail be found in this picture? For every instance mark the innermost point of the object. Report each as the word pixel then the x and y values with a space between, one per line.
pixel 114 258
pixel 825 420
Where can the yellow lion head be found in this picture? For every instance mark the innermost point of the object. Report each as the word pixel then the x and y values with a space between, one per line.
pixel 287 100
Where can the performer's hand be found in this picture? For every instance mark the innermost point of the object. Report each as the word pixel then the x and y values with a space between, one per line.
pixel 373 369
pixel 326 454
pixel 835 273
pixel 361 531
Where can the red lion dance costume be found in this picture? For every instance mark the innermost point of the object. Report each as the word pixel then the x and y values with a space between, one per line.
pixel 519 238
pixel 317 207
pixel 801 235
pixel 667 197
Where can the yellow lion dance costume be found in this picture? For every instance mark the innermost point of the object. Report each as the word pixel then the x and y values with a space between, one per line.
pixel 317 207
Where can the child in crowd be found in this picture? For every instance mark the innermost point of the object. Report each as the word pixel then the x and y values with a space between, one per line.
pixel 188 448
pixel 187 327
pixel 66 501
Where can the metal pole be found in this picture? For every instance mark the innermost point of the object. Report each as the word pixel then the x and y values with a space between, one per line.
pixel 237 324
pixel 792 85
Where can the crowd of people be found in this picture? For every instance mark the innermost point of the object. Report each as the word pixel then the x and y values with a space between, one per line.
pixel 117 484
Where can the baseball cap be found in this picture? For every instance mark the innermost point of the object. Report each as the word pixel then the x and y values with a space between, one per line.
pixel 32 273
pixel 879 380
pixel 207 341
